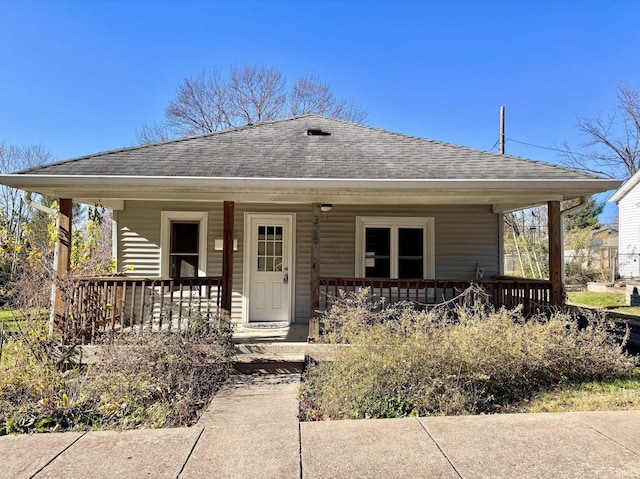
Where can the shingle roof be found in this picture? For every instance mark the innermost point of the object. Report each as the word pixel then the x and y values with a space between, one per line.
pixel 284 149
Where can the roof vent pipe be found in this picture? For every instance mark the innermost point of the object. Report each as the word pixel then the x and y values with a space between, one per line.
pixel 26 197
pixel 584 201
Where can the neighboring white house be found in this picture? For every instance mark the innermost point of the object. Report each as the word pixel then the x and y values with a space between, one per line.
pixel 628 200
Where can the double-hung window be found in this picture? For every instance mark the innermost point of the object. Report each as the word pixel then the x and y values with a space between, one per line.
pixel 389 247
pixel 184 244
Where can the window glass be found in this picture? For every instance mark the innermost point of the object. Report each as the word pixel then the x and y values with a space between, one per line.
pixel 410 253
pixel 183 266
pixel 183 249
pixel 184 237
pixel 394 247
pixel 377 256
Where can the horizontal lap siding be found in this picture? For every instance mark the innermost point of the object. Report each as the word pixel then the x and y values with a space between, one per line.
pixel 464 236
pixel 629 234
pixel 139 227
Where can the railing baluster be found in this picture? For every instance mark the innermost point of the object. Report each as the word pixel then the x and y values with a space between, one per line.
pixel 171 283
pixel 132 310
pixel 143 289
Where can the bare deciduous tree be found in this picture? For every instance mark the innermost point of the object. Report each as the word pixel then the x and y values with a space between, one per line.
pixel 613 146
pixel 12 159
pixel 310 95
pixel 256 94
pixel 210 102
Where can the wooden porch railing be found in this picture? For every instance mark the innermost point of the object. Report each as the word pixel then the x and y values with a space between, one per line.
pixel 533 294
pixel 94 306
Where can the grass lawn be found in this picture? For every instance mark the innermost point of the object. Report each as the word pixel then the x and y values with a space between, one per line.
pixel 617 395
pixel 613 302
pixel 14 319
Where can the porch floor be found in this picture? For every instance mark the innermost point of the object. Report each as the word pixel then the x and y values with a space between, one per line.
pixel 295 333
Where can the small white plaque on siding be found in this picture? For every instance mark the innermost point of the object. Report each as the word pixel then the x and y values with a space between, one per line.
pixel 219 244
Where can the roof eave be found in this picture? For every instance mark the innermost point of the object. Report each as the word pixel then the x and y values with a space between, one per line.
pixel 25 181
pixel 443 191
pixel 624 189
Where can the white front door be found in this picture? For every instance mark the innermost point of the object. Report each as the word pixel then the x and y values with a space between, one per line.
pixel 270 267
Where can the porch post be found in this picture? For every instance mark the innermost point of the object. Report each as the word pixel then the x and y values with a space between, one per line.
pixel 555 253
pixel 227 259
pixel 62 262
pixel 314 283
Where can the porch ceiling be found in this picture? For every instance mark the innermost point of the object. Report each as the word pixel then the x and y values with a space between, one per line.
pixel 503 194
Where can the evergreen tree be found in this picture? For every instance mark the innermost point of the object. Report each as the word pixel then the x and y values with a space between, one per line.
pixel 585 218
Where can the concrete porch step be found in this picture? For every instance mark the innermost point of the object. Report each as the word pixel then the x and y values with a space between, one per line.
pixel 270 358
pixel 279 357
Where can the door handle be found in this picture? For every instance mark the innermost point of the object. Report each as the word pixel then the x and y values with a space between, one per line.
pixel 285 280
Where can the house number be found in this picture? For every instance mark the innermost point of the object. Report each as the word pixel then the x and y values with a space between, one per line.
pixel 316 229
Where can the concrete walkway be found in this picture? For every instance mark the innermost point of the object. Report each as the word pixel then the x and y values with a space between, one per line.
pixel 251 431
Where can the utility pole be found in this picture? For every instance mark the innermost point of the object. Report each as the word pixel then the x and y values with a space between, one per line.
pixel 502 130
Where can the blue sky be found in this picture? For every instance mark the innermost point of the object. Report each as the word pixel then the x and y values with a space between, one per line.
pixel 80 77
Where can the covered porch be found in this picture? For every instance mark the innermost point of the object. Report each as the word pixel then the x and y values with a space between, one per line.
pixel 86 308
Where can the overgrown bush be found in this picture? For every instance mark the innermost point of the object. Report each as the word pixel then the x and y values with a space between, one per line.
pixel 471 359
pixel 155 380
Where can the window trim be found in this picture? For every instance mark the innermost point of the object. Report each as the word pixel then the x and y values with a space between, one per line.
pixel 165 238
pixel 395 222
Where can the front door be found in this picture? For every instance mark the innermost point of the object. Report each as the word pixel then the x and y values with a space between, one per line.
pixel 270 268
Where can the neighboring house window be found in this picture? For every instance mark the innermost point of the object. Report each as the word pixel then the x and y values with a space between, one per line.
pixel 389 247
pixel 184 244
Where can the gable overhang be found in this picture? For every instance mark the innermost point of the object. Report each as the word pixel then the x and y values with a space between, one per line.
pixel 626 188
pixel 503 194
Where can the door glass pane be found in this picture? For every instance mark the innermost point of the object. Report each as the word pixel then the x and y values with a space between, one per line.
pixel 270 248
pixel 377 260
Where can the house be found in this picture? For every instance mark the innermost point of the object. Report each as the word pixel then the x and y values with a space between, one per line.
pixel 628 200
pixel 603 246
pixel 598 253
pixel 280 213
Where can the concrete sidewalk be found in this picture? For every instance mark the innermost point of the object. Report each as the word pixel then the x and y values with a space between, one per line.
pixel 251 431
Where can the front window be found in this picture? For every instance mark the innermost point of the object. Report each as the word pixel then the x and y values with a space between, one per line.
pixel 394 247
pixel 184 244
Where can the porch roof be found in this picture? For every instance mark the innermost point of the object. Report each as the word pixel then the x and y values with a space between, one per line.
pixel 309 158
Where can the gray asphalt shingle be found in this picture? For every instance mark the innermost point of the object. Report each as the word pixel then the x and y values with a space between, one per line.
pixel 283 149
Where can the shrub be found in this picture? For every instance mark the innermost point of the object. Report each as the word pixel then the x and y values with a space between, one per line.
pixel 156 380
pixel 471 359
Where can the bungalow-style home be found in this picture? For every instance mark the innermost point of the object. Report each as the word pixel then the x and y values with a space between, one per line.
pixel 274 216
pixel 628 200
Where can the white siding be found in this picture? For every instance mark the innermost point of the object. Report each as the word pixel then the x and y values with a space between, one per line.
pixel 629 234
pixel 465 236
